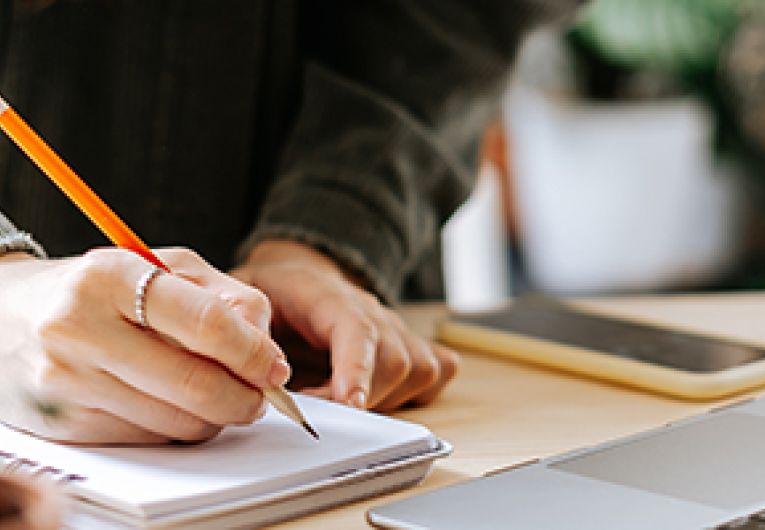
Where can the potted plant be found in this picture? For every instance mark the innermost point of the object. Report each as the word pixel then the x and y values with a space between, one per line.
pixel 630 130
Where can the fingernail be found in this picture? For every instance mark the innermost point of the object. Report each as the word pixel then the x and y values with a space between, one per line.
pixel 358 399
pixel 280 372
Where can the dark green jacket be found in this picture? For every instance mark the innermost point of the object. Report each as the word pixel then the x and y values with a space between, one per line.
pixel 351 125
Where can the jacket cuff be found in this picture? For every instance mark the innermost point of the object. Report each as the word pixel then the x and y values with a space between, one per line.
pixel 368 250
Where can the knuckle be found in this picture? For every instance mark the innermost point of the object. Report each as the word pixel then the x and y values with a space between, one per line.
pixel 212 321
pixel 200 383
pixel 103 254
pixel 257 301
pixel 260 300
pixel 367 326
pixel 378 313
pixel 84 280
pixel 426 370
pixel 62 322
pixel 180 256
pixel 370 299
pixel 53 376
pixel 184 426
pixel 51 328
pixel 101 262
pixel 398 363
pixel 361 366
pixel 450 364
pixel 395 318
pixel 96 270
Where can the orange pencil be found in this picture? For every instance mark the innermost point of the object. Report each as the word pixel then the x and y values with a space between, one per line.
pixel 73 186
pixel 107 221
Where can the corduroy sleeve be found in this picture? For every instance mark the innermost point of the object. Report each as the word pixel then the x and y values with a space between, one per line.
pixel 395 96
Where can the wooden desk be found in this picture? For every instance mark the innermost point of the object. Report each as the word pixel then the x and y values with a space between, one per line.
pixel 498 413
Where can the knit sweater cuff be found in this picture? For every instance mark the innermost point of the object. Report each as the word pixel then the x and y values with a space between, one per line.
pixel 368 250
pixel 14 240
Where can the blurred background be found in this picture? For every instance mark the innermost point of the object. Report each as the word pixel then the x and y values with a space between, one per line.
pixel 629 157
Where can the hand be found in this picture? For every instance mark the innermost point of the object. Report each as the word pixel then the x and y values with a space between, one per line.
pixel 196 370
pixel 30 504
pixel 374 360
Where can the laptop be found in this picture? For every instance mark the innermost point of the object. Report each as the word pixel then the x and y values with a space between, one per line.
pixel 706 472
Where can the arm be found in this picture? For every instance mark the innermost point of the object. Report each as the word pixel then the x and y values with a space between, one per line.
pixel 78 367
pixel 395 95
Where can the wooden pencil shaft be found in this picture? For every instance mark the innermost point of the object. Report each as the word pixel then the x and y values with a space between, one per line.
pixel 72 185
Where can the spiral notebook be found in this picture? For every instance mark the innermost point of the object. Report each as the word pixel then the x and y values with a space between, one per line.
pixel 247 476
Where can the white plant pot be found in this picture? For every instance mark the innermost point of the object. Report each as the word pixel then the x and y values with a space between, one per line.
pixel 474 249
pixel 620 197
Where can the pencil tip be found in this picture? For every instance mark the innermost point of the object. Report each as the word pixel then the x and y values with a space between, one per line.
pixel 310 429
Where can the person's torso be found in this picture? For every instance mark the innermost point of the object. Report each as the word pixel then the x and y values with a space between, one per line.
pixel 174 111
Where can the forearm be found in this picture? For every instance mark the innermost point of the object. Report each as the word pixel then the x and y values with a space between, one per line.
pixel 383 150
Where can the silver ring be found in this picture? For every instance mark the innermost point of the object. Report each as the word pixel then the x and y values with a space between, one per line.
pixel 140 294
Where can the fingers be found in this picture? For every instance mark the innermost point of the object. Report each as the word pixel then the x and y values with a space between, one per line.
pixel 422 375
pixel 189 382
pixel 351 337
pixel 393 366
pixel 252 304
pixel 377 362
pixel 449 363
pixel 93 426
pixel 100 390
pixel 205 324
pixel 353 345
pixel 406 368
pixel 198 368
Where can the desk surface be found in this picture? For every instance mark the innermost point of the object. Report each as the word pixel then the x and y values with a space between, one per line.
pixel 498 413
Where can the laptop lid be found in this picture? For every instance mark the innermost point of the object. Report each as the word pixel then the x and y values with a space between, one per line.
pixel 698 473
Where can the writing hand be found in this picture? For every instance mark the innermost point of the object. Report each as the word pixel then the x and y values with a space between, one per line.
pixel 196 369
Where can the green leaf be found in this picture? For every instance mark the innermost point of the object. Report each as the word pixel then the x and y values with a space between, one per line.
pixel 673 35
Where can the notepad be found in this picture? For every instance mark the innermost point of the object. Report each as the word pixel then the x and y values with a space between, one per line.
pixel 252 475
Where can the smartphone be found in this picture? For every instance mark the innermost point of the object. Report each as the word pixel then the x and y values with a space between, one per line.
pixel 558 335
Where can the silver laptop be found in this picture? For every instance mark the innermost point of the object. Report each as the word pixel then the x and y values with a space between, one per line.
pixel 704 472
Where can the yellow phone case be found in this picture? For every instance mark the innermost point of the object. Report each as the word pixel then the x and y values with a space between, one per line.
pixel 591 363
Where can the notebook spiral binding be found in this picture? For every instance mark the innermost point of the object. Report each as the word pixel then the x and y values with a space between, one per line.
pixel 12 463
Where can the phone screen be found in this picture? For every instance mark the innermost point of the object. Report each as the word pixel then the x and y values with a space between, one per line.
pixel 557 322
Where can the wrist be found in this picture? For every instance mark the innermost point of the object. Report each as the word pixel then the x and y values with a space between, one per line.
pixel 286 251
pixel 282 250
pixel 16 255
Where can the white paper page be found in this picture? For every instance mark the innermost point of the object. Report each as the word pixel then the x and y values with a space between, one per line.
pixel 267 456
